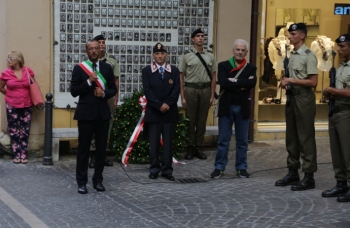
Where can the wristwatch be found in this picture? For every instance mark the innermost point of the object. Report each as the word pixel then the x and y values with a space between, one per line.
pixel 235 80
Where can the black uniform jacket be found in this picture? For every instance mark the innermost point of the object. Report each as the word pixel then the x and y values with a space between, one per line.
pixel 224 69
pixel 89 106
pixel 159 91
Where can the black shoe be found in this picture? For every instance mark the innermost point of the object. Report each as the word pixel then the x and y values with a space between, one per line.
pixel 99 187
pixel 108 162
pixel 153 175
pixel 217 173
pixel 199 154
pixel 307 183
pixel 82 189
pixel 345 197
pixel 243 173
pixel 340 188
pixel 189 153
pixel 169 176
pixel 291 178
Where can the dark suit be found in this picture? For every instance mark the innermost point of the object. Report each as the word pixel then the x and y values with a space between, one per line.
pixel 230 87
pixel 93 115
pixel 159 91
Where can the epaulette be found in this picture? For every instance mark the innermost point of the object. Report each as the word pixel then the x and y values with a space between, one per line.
pixel 209 51
pixel 307 51
pixel 186 52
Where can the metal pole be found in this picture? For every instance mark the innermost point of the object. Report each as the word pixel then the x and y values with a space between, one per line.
pixel 48 131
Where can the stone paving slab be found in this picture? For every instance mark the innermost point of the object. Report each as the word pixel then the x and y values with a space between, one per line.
pixel 133 200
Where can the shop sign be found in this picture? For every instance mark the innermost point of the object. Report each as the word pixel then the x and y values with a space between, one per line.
pixel 341 9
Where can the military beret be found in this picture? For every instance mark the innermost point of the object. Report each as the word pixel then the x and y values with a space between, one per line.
pixel 297 26
pixel 195 32
pixel 99 37
pixel 343 38
pixel 159 48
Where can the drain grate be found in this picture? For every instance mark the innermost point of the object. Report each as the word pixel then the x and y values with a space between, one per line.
pixel 190 180
pixel 341 224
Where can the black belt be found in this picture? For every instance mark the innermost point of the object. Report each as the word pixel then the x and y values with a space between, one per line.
pixel 339 108
pixel 299 91
pixel 198 85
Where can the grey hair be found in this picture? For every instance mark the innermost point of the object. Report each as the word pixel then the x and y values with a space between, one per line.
pixel 241 41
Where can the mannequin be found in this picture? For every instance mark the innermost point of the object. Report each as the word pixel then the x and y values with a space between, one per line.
pixel 322 47
pixel 278 48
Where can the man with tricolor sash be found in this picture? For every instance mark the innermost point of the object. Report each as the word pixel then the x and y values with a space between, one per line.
pixel 104 57
pixel 93 81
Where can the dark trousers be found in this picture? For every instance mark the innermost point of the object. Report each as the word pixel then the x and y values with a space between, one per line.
pixel 339 135
pixel 300 133
pixel 197 107
pixel 155 130
pixel 86 130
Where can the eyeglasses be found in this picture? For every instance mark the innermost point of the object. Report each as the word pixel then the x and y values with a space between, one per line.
pixel 92 48
pixel 11 59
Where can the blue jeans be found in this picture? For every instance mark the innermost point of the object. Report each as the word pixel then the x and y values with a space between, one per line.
pixel 225 133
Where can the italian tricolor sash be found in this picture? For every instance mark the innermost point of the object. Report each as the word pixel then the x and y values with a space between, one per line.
pixel 87 67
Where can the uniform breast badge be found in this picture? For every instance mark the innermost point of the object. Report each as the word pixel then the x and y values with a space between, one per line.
pixel 170 81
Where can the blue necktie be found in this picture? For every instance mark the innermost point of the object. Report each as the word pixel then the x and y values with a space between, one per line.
pixel 161 71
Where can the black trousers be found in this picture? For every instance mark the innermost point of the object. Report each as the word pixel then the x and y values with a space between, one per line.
pixel 155 130
pixel 87 129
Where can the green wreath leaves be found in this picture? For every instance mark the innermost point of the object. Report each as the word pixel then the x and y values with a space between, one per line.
pixel 125 119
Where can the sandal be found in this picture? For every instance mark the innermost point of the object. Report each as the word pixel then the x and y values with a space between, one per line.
pixel 16 160
pixel 24 161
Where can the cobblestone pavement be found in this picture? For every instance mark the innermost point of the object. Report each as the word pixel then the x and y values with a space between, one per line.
pixel 133 200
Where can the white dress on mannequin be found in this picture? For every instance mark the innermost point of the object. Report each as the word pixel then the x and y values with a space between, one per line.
pixel 322 47
pixel 278 48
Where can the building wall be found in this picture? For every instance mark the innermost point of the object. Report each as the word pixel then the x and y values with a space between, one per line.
pixel 26 26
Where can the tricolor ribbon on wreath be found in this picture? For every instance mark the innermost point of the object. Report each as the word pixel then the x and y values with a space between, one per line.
pixel 136 133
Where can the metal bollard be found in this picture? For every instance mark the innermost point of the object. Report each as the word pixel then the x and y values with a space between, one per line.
pixel 48 131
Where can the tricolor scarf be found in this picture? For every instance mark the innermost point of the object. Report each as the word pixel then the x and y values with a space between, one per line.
pixel 87 67
pixel 232 62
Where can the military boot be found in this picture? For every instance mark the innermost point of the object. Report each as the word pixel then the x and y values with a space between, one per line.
pixel 340 188
pixel 291 178
pixel 308 182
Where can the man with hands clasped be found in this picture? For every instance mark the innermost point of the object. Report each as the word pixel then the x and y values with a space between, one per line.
pixel 93 81
pixel 161 85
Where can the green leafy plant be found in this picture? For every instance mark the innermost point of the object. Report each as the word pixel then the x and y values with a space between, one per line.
pixel 125 119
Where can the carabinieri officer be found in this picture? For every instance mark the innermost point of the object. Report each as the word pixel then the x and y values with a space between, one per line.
pixel 161 85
